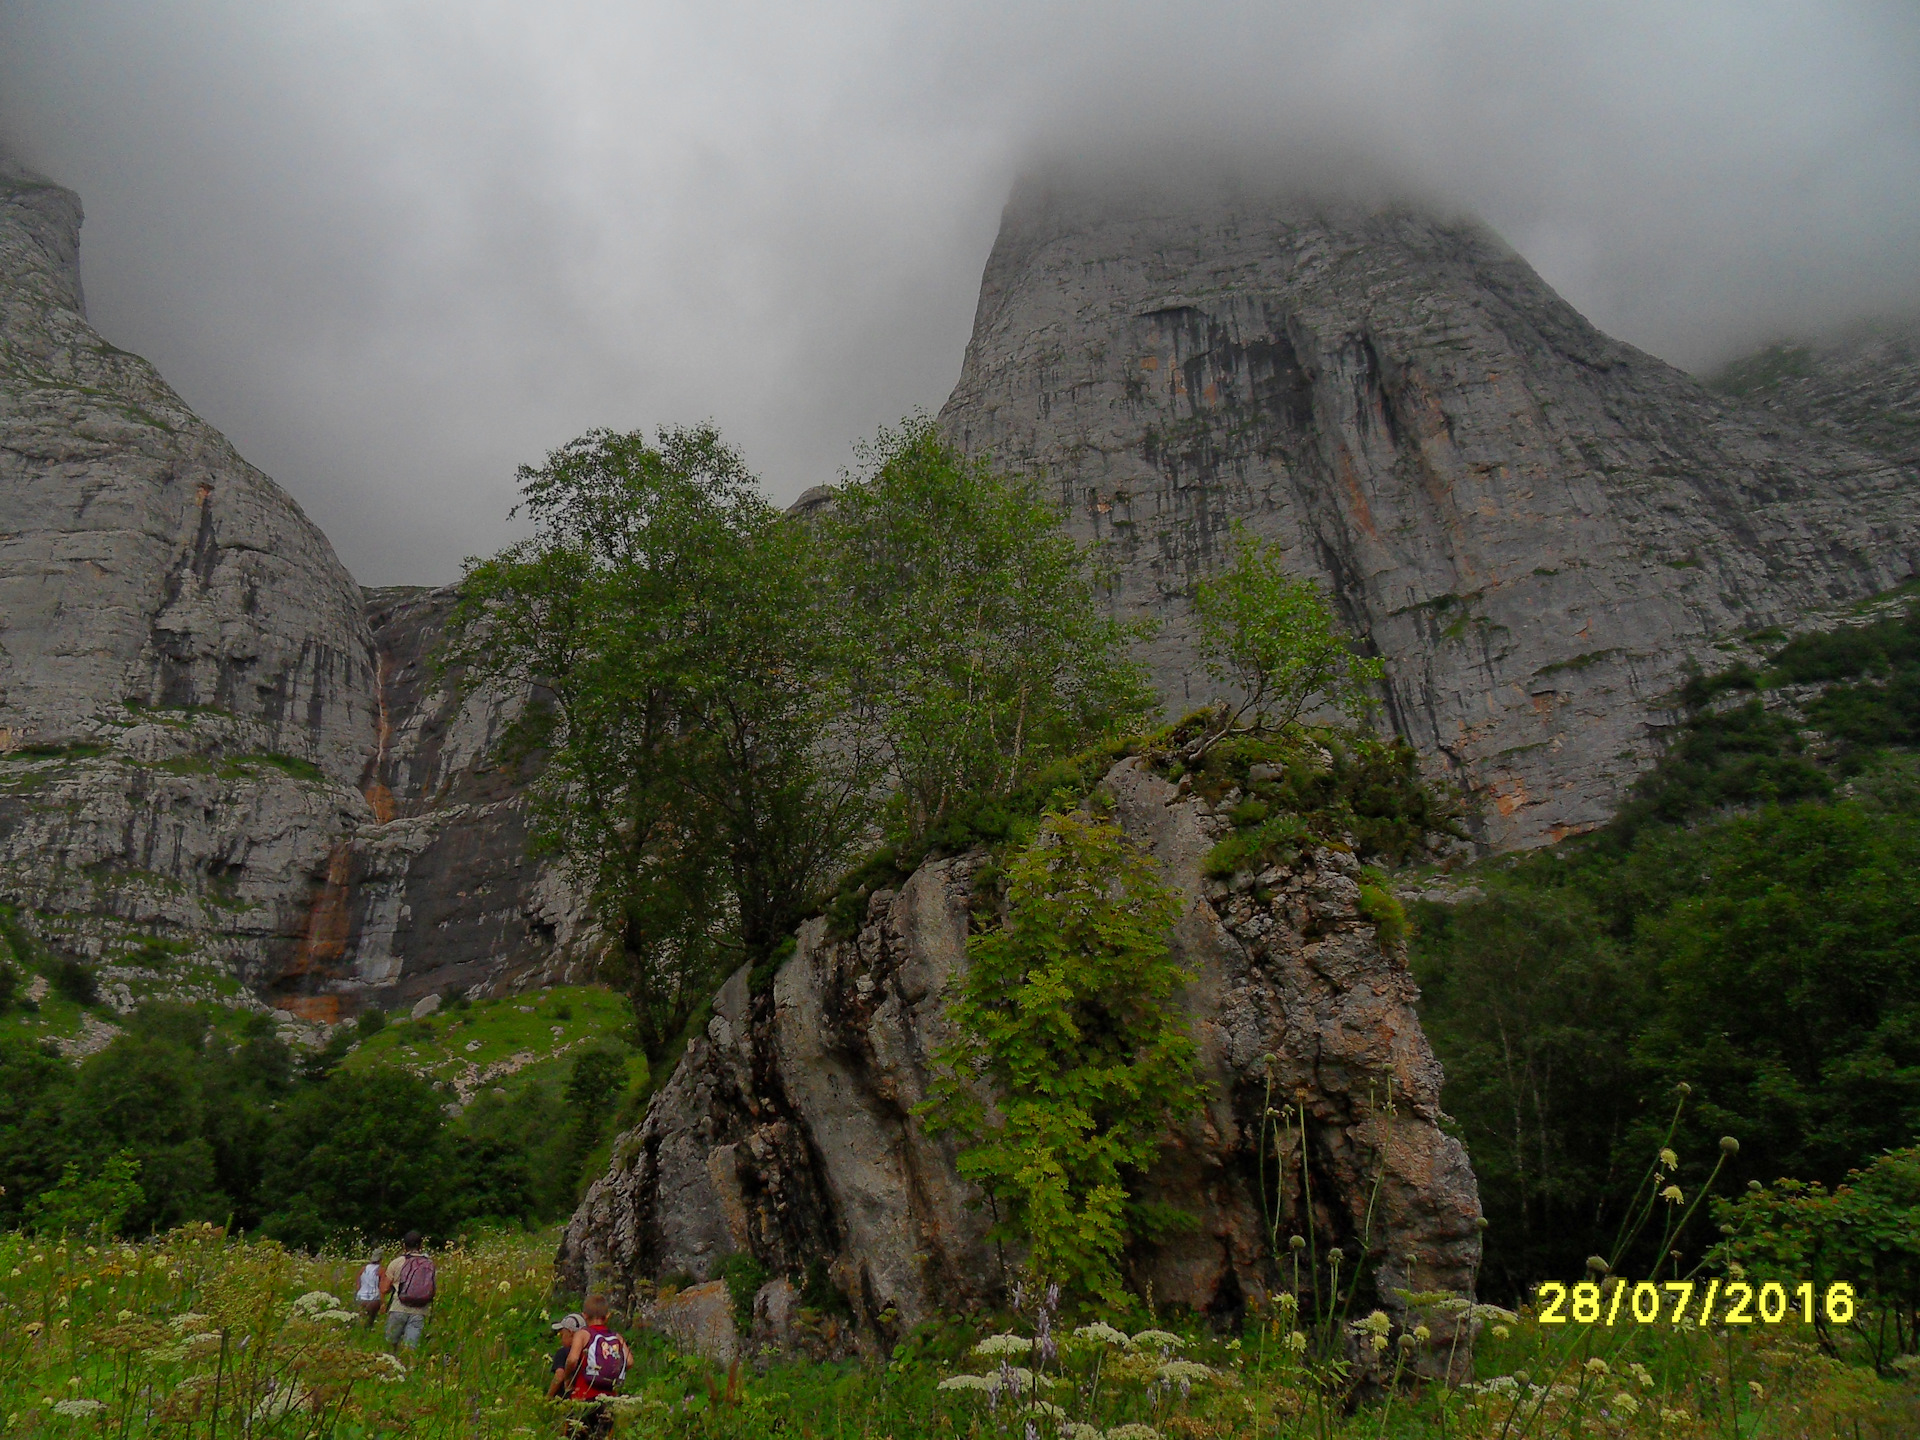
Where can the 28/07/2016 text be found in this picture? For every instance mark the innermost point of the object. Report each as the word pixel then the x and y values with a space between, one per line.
pixel 1645 1303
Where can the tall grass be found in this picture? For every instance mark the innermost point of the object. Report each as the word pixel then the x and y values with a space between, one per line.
pixel 202 1336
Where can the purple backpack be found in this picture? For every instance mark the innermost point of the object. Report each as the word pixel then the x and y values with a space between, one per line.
pixel 604 1362
pixel 416 1285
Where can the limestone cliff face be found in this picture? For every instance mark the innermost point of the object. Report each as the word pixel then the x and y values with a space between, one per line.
pixel 219 760
pixel 1536 526
pixel 145 562
pixel 788 1131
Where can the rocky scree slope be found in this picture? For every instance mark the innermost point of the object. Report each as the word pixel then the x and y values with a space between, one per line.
pixel 1537 527
pixel 214 762
pixel 787 1132
pixel 1862 387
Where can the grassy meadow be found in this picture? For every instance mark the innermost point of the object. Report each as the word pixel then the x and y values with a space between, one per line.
pixel 195 1333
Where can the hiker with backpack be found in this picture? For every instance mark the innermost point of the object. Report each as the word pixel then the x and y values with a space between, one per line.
pixel 596 1363
pixel 408 1288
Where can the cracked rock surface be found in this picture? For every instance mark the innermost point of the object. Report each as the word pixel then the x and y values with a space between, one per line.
pixel 788 1131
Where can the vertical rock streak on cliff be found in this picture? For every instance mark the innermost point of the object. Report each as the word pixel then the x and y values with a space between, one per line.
pixel 1537 527
pixel 1291 987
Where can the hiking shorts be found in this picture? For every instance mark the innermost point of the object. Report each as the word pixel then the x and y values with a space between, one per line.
pixel 405 1327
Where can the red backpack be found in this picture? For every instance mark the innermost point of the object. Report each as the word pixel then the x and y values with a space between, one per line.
pixel 416 1284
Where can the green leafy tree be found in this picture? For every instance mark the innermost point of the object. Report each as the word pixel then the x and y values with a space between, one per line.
pixel 363 1152
pixel 1275 639
pixel 141 1096
pixel 669 622
pixel 977 644
pixel 1534 1009
pixel 94 1204
pixel 1785 952
pixel 36 1091
pixel 595 1093
pixel 1072 1056
pixel 1863 1233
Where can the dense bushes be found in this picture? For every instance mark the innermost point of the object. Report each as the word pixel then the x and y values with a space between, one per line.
pixel 225 1126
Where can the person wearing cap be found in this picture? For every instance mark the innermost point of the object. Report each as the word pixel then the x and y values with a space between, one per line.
pixel 564 1330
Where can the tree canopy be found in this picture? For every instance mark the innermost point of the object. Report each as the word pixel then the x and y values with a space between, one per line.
pixel 725 696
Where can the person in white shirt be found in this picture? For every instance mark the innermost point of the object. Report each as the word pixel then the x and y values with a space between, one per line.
pixel 368 1295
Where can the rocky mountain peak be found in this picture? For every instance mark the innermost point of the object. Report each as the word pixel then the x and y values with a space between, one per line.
pixel 49 216
pixel 1538 528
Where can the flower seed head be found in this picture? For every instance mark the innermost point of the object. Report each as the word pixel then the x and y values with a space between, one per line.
pixel 1298 1242
pixel 1597 1265
pixel 1729 1146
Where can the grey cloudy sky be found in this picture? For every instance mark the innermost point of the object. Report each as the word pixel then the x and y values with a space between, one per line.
pixel 395 249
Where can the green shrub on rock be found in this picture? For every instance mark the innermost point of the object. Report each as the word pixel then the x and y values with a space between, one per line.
pixel 1068 1016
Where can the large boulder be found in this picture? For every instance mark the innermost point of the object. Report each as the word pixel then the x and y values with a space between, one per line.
pixel 789 1130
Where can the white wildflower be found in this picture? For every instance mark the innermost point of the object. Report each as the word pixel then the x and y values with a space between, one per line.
pixel 78 1407
pixel 1046 1410
pixel 1297 1341
pixel 1640 1373
pixel 1104 1334
pixel 1133 1432
pixel 966 1382
pixel 1597 1366
pixel 1669 1159
pixel 1492 1312
pixel 1159 1339
pixel 1003 1345
pixel 1626 1403
pixel 395 1370
pixel 1672 1195
pixel 314 1301
pixel 1184 1372
pixel 1376 1324
pixel 1498 1385
pixel 342 1317
pixel 1080 1432
pixel 188 1321
pixel 1500 1332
